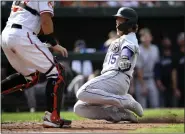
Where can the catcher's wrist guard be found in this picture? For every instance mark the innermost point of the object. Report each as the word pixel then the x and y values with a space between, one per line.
pixel 17 81
pixel 48 38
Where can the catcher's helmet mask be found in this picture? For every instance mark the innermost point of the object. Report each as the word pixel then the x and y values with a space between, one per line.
pixel 131 19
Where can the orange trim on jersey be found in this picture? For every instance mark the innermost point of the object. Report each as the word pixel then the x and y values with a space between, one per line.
pixel 45 11
pixel 29 38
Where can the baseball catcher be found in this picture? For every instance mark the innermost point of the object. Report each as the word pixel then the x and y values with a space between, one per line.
pixel 29 56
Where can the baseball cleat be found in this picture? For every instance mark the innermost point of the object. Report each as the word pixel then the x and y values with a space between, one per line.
pixel 47 123
pixel 128 116
pixel 132 105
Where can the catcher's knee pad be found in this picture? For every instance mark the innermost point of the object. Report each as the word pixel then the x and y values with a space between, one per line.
pixel 17 81
pixel 54 91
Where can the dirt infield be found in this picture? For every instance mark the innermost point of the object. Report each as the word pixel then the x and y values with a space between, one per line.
pixel 93 126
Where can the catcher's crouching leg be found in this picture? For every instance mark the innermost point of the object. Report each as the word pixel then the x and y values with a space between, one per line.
pixel 54 94
pixel 17 81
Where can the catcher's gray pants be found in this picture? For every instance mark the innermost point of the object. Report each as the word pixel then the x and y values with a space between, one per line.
pixel 152 96
pixel 104 90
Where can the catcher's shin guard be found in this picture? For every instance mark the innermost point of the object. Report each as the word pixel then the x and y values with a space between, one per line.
pixel 54 92
pixel 17 81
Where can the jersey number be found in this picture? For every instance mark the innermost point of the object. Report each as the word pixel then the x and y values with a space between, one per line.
pixel 112 58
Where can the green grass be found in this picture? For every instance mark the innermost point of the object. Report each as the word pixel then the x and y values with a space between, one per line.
pixel 149 113
pixel 158 113
pixel 21 117
pixel 172 128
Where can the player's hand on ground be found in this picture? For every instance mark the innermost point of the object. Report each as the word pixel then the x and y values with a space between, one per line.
pixel 60 50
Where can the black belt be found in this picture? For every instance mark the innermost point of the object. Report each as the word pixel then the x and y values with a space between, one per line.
pixel 16 26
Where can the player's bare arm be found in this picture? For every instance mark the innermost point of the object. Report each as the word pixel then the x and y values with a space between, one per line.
pixel 47 28
pixel 46 23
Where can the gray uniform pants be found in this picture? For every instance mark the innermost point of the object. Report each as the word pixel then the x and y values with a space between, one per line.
pixel 105 90
pixel 152 96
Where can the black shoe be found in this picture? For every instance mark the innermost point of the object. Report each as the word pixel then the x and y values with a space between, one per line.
pixel 67 122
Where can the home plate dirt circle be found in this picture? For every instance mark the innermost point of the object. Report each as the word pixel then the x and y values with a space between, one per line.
pixel 84 126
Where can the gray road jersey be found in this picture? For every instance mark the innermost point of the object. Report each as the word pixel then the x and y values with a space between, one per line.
pixel 114 53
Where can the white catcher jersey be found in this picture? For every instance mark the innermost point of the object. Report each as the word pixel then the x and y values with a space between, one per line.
pixel 23 17
pixel 115 50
